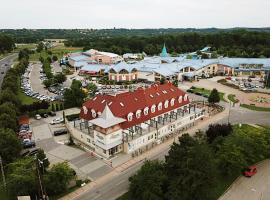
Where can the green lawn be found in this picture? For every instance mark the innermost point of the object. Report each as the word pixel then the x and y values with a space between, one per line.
pixel 251 107
pixel 58 51
pixel 125 196
pixel 204 92
pixel 25 100
pixel 232 98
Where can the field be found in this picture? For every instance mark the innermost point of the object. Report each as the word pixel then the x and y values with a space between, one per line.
pixel 232 98
pixel 59 51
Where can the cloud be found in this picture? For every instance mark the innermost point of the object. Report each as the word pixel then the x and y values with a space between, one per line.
pixel 134 14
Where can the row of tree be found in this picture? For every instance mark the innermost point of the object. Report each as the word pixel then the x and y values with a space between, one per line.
pixel 195 166
pixel 6 43
pixel 239 43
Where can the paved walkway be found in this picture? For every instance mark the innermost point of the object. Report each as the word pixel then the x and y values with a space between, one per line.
pixel 254 188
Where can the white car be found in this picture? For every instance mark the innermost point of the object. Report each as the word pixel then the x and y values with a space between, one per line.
pixel 57 121
pixel 37 116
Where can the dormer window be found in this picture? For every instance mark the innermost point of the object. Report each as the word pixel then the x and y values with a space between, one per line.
pixel 145 111
pixel 180 99
pixel 129 117
pixel 160 106
pixel 94 114
pixel 166 104
pixel 185 97
pixel 172 102
pixel 153 108
pixel 85 110
pixel 138 114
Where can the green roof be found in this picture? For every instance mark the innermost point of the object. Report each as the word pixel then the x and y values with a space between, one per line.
pixel 164 52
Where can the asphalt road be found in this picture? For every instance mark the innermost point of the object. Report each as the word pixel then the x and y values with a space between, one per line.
pixel 3 68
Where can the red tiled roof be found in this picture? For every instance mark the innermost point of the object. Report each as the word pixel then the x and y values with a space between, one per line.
pixel 129 102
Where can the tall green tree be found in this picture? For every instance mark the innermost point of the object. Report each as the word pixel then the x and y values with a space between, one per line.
pixel 58 177
pixel 191 169
pixel 214 97
pixel 149 182
pixel 74 96
pixel 10 145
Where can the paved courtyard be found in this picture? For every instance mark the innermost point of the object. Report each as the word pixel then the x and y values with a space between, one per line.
pixel 84 164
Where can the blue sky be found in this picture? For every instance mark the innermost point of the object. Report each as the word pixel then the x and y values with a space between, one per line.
pixel 134 14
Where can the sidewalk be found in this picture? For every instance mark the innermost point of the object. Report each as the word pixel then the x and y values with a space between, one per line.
pixel 150 154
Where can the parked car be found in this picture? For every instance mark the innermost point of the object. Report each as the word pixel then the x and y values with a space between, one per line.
pixel 51 113
pixel 37 116
pixel 250 171
pixel 57 121
pixel 60 132
pixel 44 115
pixel 27 143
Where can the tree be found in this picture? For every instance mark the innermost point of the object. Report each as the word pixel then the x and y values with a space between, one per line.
pixel 53 107
pixel 149 182
pixel 54 58
pixel 21 176
pixel 57 107
pixel 191 169
pixel 204 56
pixel 175 83
pixel 8 96
pixel 9 144
pixel 162 80
pixel 74 96
pixel 92 89
pixel 9 108
pixel 41 156
pixel 8 121
pixel 40 47
pixel 214 96
pixel 60 78
pixel 47 83
pixel 58 177
pixel 216 130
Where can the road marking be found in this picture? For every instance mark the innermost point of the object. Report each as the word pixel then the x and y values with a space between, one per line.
pixel 120 182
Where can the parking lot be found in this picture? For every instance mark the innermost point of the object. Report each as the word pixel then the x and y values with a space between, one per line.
pixel 56 149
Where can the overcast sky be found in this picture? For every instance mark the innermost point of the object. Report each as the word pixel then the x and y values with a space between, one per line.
pixel 134 14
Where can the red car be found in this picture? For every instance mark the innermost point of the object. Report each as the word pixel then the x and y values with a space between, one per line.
pixel 229 78
pixel 250 171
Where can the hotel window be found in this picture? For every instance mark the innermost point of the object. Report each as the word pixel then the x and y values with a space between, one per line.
pixel 185 97
pixel 94 114
pixel 180 99
pixel 153 108
pixel 88 140
pixel 166 104
pixel 129 117
pixel 160 106
pixel 138 113
pixel 172 102
pixel 145 111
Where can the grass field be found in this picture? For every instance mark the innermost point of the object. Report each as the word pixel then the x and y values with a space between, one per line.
pixel 59 51
pixel 232 98
pixel 25 100
pixel 204 92
pixel 251 107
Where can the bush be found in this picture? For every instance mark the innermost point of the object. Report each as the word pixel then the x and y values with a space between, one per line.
pixel 72 117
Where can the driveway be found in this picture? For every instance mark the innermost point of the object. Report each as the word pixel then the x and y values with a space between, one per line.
pixel 82 162
pixel 254 188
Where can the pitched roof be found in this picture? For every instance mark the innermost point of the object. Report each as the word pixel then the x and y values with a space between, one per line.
pixel 107 119
pixel 130 102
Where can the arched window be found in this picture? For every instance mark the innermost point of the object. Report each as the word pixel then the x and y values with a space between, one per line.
pixel 180 99
pixel 138 113
pixel 94 114
pixel 129 117
pixel 185 97
pixel 160 106
pixel 153 108
pixel 145 111
pixel 166 104
pixel 85 110
pixel 172 101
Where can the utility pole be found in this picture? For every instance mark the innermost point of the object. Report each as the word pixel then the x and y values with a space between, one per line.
pixel 3 174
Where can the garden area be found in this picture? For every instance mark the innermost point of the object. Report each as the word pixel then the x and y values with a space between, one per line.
pixel 204 92
pixel 201 167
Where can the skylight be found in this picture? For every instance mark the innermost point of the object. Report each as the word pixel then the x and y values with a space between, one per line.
pixel 121 104
pixel 110 103
pixel 151 95
pixel 103 101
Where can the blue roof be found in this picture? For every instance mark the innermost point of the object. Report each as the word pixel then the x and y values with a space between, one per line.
pixel 79 58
